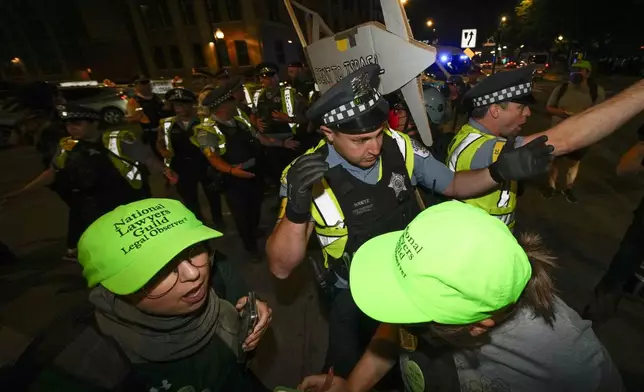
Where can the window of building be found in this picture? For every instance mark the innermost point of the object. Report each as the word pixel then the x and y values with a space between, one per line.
pixel 242 53
pixel 187 8
pixel 234 9
pixel 165 13
pixel 175 57
pixel 159 58
pixel 155 14
pixel 222 53
pixel 197 56
pixel 279 52
pixel 213 10
pixel 273 10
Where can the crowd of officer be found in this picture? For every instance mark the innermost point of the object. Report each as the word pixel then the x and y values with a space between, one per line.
pixel 422 278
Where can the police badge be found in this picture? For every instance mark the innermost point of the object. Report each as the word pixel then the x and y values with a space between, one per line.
pixel 397 183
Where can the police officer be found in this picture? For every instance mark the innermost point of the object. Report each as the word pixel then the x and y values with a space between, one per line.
pixel 359 183
pixel 100 170
pixel 499 108
pixel 146 109
pixel 185 158
pixel 298 79
pixel 278 111
pixel 232 147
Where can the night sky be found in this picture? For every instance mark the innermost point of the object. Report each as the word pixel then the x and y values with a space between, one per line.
pixel 451 16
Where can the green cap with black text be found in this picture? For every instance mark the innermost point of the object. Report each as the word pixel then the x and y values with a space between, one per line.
pixel 125 248
pixel 453 264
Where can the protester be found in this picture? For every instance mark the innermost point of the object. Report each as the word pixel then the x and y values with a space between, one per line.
pixel 149 264
pixel 488 301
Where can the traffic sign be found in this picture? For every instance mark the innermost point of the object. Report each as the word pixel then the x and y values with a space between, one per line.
pixel 468 38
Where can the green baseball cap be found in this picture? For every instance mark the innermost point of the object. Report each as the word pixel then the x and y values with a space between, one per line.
pixel 126 247
pixel 583 64
pixel 453 264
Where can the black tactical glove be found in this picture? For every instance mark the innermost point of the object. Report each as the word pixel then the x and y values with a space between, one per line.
pixel 524 162
pixel 304 172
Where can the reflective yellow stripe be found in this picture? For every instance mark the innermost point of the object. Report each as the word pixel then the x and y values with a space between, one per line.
pixel 258 94
pixel 507 218
pixel 328 209
pixel 241 116
pixel 287 97
pixel 249 101
pixel 113 144
pixel 326 240
pixel 469 139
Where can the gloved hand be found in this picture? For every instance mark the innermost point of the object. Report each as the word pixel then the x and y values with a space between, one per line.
pixel 524 162
pixel 304 172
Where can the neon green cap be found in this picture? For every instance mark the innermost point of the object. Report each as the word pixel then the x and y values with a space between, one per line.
pixel 126 247
pixel 583 64
pixel 453 264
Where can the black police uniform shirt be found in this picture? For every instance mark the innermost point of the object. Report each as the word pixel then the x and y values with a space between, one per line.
pixel 187 156
pixel 242 144
pixel 269 101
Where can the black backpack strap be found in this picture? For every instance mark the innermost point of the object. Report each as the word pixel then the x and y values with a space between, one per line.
pixel 562 90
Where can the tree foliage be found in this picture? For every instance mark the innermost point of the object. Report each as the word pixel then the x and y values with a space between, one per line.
pixel 601 27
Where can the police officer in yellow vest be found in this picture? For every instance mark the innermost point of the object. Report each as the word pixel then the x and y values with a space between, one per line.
pixel 185 158
pixel 359 183
pixel 499 108
pixel 277 111
pixel 231 145
pixel 101 170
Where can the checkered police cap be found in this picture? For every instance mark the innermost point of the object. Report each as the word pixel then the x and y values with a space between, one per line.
pixel 180 95
pixel 352 109
pixel 506 94
pixel 223 92
pixel 76 112
pixel 506 86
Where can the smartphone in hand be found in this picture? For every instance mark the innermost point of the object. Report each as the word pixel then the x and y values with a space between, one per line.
pixel 248 322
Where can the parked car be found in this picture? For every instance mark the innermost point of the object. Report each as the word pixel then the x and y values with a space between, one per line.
pixel 111 102
pixel 12 114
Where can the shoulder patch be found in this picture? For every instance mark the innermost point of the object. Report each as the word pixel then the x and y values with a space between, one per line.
pixel 419 149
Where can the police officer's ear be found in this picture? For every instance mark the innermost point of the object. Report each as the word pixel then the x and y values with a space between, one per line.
pixel 495 110
pixel 328 132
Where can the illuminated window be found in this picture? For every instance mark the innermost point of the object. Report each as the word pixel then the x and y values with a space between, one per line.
pixel 242 53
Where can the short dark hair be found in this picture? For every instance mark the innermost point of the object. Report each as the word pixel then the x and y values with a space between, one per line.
pixel 480 112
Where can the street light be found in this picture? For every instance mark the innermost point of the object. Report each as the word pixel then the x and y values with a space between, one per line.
pixel 430 23
pixel 505 47
pixel 219 34
pixel 522 46
pixel 504 19
pixel 560 38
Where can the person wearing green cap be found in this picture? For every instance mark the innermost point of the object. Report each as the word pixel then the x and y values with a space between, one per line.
pixel 488 302
pixel 573 96
pixel 149 264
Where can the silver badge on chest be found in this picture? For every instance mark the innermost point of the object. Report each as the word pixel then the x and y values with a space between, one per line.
pixel 397 183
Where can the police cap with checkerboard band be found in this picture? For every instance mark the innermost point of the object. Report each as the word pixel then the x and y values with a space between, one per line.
pixel 180 95
pixel 509 86
pixel 223 92
pixel 353 105
pixel 71 112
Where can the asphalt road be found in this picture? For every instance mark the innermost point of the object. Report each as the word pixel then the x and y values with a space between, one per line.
pixel 41 289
